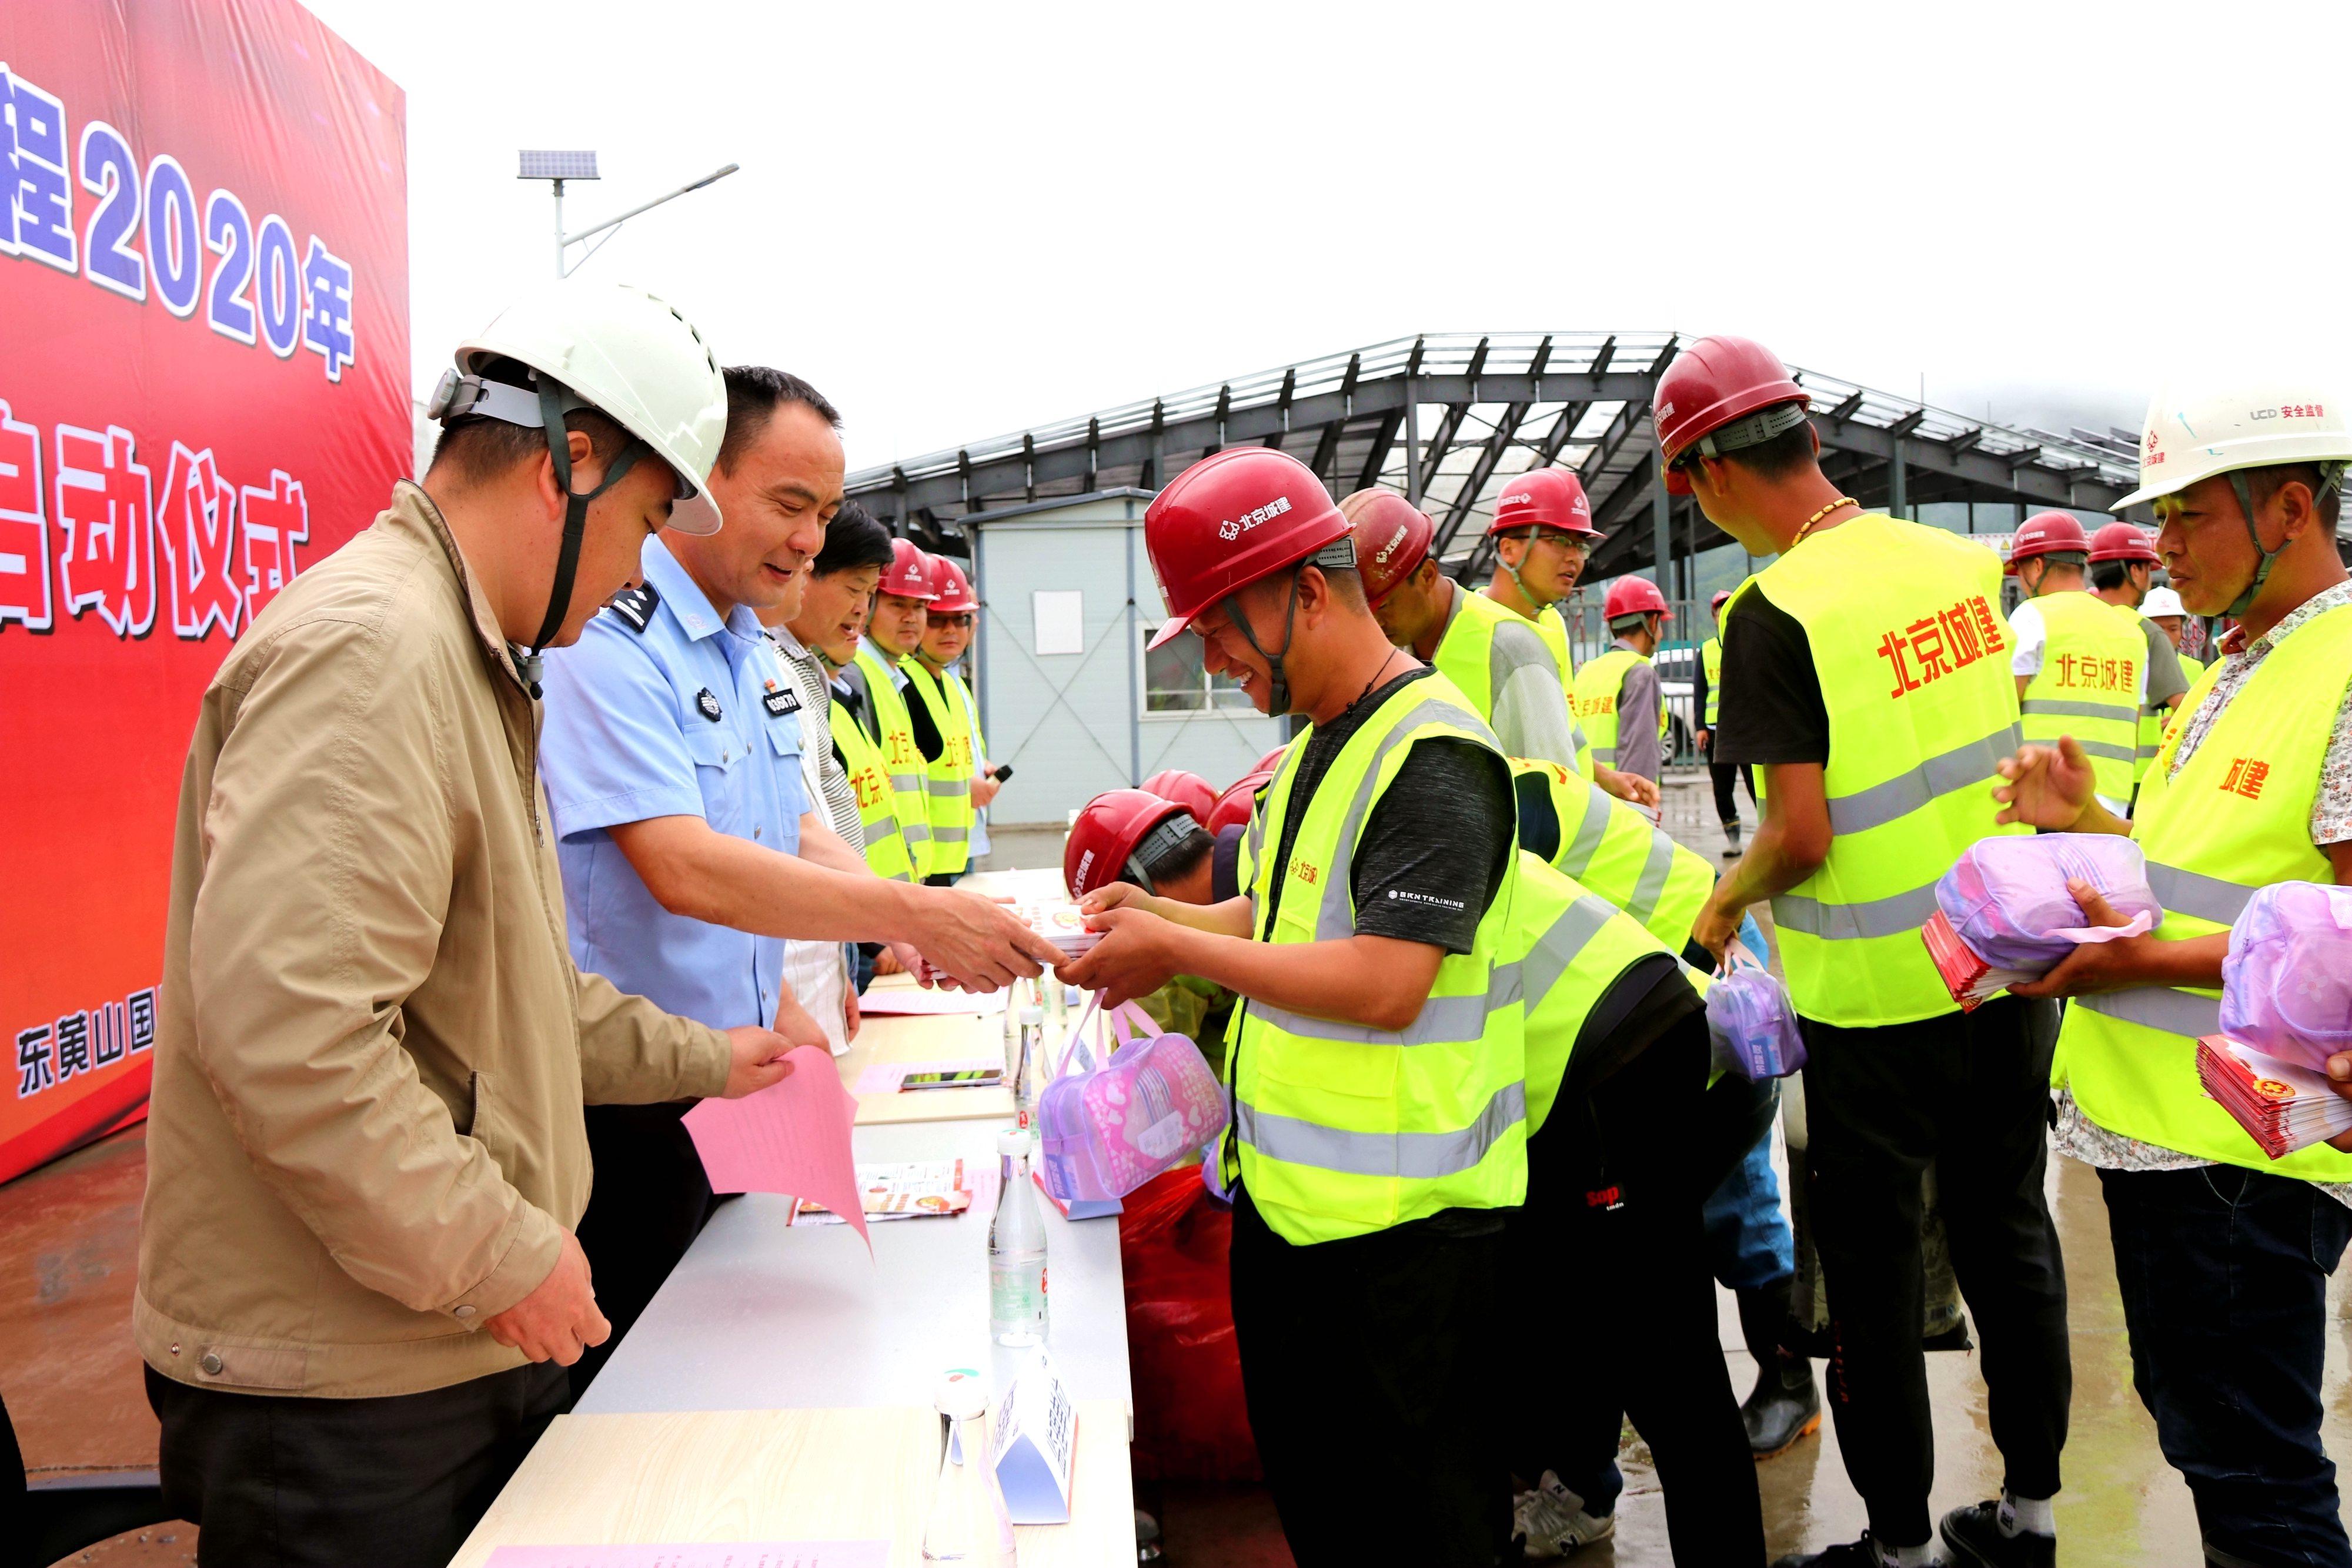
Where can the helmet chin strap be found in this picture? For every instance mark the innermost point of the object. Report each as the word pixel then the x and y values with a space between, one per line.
pixel 532 664
pixel 2244 601
pixel 1278 699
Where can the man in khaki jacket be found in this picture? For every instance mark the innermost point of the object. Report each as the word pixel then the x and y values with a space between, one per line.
pixel 358 1284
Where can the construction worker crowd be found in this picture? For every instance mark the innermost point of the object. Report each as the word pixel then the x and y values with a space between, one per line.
pixel 622 751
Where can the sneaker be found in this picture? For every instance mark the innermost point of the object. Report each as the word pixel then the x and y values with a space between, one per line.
pixel 1731 841
pixel 1550 1521
pixel 1974 1535
pixel 1863 1553
pixel 1783 1410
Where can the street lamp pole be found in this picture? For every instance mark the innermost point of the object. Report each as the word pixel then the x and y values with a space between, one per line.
pixel 557 167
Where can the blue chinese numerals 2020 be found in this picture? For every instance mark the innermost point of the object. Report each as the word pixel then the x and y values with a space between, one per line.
pixel 145 232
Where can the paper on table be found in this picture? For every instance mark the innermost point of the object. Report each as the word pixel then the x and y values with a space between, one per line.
pixel 701 1555
pixel 792 1137
pixel 913 1001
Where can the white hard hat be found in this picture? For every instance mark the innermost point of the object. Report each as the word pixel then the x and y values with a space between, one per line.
pixel 2187 438
pixel 2161 601
pixel 624 353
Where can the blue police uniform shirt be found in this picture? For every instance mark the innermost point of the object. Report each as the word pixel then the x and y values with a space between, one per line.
pixel 660 710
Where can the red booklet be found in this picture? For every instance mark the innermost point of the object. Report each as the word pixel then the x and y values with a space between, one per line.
pixel 1971 980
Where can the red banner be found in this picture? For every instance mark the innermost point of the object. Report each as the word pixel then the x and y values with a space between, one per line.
pixel 203 390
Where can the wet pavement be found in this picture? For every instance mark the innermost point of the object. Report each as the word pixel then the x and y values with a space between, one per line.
pixel 70 1378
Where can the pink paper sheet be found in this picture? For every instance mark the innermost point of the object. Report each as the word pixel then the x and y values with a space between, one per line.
pixel 793 1138
pixel 718 1554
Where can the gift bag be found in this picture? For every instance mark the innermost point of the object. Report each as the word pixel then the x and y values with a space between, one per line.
pixel 2286 986
pixel 1105 1132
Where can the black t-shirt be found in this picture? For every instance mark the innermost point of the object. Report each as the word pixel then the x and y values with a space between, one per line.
pixel 1434 850
pixel 1772 709
pixel 918 716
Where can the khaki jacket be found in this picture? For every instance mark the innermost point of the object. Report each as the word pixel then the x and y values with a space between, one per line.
pixel 372 1046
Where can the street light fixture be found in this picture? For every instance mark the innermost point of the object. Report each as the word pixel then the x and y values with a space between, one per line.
pixel 556 167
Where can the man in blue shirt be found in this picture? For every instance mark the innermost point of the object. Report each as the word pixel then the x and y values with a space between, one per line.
pixel 689 847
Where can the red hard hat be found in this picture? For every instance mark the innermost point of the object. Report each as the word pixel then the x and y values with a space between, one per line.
pixel 910 574
pixel 1271 760
pixel 1393 538
pixel 1545 497
pixel 1720 595
pixel 1632 596
pixel 1109 829
pixel 1710 384
pixel 1188 790
pixel 1230 519
pixel 2047 533
pixel 954 588
pixel 2124 541
pixel 1233 808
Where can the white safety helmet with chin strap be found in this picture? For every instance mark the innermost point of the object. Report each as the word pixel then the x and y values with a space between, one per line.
pixel 2186 439
pixel 2161 602
pixel 618 352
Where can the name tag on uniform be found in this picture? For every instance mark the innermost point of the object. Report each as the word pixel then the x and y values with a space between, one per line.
pixel 781 701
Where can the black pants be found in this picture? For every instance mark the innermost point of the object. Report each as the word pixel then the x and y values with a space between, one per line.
pixel 2224 1278
pixel 1967 1094
pixel 1726 809
pixel 279 1482
pixel 1610 1272
pixel 942 879
pixel 649 1203
pixel 1370 1366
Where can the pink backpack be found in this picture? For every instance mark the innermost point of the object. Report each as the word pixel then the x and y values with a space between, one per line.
pixel 1105 1131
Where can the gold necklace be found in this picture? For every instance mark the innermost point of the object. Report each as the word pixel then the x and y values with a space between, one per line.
pixel 1817 517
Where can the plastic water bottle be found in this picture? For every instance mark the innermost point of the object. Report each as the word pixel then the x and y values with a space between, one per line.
pixel 967 1523
pixel 1016 1248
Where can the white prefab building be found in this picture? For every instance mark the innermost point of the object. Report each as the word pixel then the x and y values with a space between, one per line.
pixel 1067 693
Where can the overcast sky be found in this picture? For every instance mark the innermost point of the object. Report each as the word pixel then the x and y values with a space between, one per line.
pixel 959 221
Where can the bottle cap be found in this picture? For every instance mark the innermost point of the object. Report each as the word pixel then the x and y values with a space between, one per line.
pixel 961 1395
pixel 1031 1016
pixel 1011 1141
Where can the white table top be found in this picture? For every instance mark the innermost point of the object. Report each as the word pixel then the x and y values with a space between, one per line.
pixel 764 1315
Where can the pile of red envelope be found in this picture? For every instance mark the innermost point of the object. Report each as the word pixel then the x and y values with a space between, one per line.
pixel 2282 1106
pixel 1971 980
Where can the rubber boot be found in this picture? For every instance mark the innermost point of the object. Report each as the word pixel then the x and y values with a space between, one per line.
pixel 1785 1406
pixel 1731 839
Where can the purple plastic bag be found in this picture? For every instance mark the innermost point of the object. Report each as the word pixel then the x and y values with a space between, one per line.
pixel 1753 1025
pixel 1106 1132
pixel 2007 899
pixel 2286 986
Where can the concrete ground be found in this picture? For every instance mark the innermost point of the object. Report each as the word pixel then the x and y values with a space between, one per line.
pixel 68 1261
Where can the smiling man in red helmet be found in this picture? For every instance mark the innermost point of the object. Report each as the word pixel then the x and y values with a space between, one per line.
pixel 1866 669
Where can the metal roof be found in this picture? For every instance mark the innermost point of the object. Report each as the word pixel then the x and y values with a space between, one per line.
pixel 1448 418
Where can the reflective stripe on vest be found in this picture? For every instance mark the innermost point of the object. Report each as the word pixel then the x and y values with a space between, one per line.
pixel 1340 1130
pixel 1911 654
pixel 1710 658
pixel 2088 686
pixel 947 785
pixel 884 846
pixel 2236 817
pixel 900 757
pixel 1618 853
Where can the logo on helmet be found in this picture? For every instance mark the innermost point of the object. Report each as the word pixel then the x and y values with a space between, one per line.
pixel 1235 528
pixel 1389 548
pixel 1086 864
pixel 1665 411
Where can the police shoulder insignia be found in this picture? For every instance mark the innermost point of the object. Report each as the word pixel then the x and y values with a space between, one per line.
pixel 635 607
pixel 707 705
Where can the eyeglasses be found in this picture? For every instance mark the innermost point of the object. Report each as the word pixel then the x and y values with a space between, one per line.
pixel 958 620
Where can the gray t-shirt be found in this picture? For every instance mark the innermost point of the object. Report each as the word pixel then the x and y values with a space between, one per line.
pixel 1639 750
pixel 2166 678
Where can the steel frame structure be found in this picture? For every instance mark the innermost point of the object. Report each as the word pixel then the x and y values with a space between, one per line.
pixel 1449 419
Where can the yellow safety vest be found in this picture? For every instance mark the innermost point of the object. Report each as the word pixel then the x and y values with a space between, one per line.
pixel 2153 720
pixel 1465 655
pixel 1612 849
pixel 947 787
pixel 1595 703
pixel 896 737
pixel 1710 658
pixel 2237 817
pixel 2088 686
pixel 877 813
pixel 1568 944
pixel 1913 657
pixel 1341 1130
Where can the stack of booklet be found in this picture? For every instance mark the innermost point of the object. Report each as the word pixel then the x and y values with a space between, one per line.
pixel 2282 1107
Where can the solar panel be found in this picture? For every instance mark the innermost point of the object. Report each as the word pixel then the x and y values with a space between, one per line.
pixel 545 165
